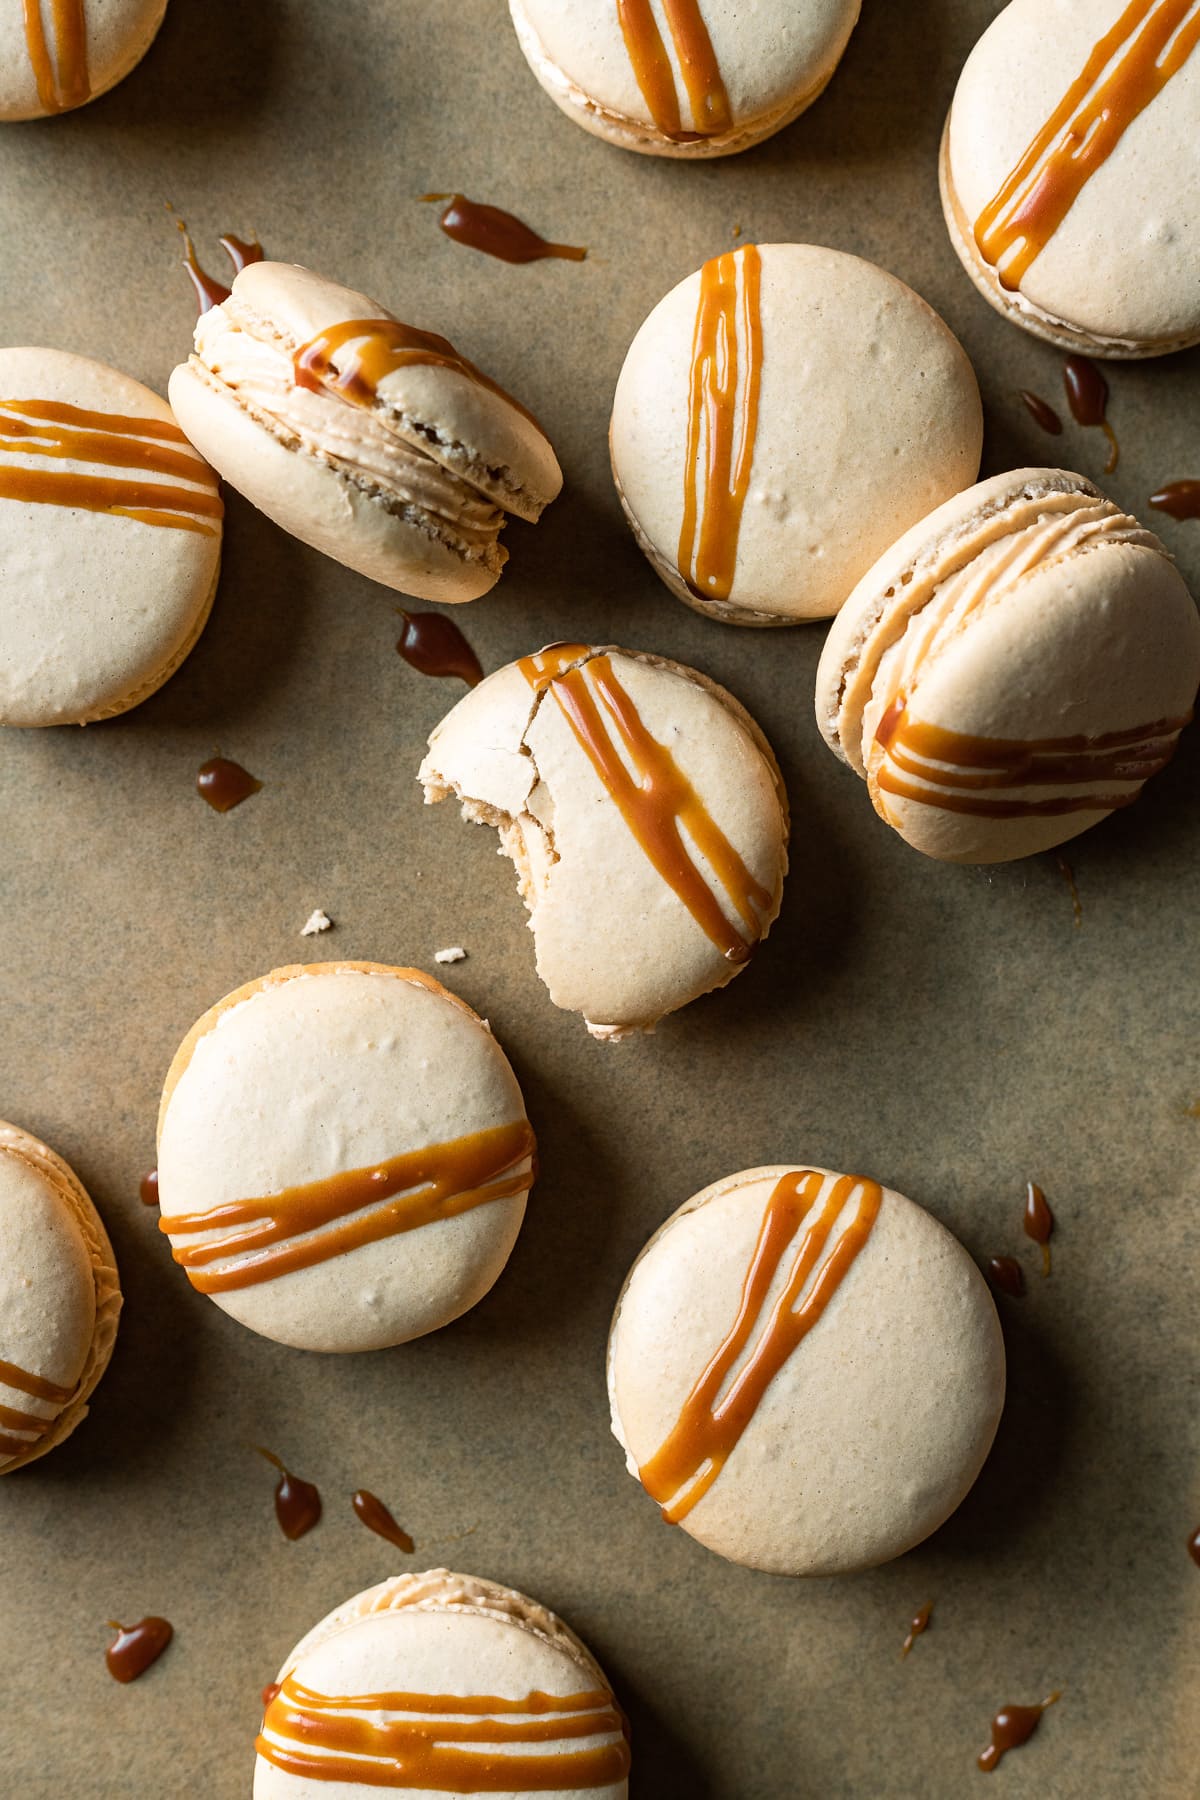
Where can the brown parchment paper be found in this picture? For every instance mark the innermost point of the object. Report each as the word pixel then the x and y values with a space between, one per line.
pixel 948 1030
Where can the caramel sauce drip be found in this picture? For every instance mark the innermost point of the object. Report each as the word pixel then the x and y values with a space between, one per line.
pixel 1041 412
pixel 352 359
pixel 36 1386
pixel 1179 498
pixel 433 645
pixel 337 1738
pixel 136 1647
pixel 1194 1547
pixel 498 233
pixel 225 784
pixel 376 1517
pixel 1012 1727
pixel 715 480
pixel 656 801
pixel 269 1693
pixel 63 81
pixel 297 1502
pixel 956 772
pixel 1127 69
pixel 209 291
pixel 1087 396
pixel 1006 1273
pixel 57 431
pixel 305 1225
pixel 16 1419
pixel 655 76
pixel 919 1626
pixel 148 1188
pixel 712 1421
pixel 1038 1221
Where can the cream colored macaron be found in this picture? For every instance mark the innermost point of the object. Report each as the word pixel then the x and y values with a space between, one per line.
pixel 1070 172
pixel 110 540
pixel 373 441
pixel 805 1370
pixel 1012 670
pixel 56 55
pixel 396 1691
pixel 343 1156
pixel 60 1299
pixel 645 815
pixel 782 415
pixel 693 79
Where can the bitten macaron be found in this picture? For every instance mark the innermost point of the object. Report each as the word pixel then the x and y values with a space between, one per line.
pixel 781 416
pixel 1070 172
pixel 645 815
pixel 1011 671
pixel 372 440
pixel 805 1370
pixel 343 1156
pixel 110 540
pixel 60 1298
pixel 696 79
pixel 56 55
pixel 442 1683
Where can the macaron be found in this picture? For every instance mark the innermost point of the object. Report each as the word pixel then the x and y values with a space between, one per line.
pixel 110 540
pixel 805 1370
pixel 374 441
pixel 442 1683
pixel 687 79
pixel 644 813
pixel 60 1299
pixel 781 416
pixel 1070 172
pixel 1011 671
pixel 343 1156
pixel 56 55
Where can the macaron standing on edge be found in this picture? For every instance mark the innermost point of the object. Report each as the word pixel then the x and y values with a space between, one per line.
pixel 343 1156
pixel 60 1299
pixel 805 1370
pixel 56 55
pixel 781 416
pixel 372 441
pixel 1011 671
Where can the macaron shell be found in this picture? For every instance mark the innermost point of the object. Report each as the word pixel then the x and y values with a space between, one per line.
pixel 878 1423
pixel 119 33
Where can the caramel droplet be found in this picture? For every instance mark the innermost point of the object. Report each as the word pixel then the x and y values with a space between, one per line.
pixel 498 233
pixel 135 1647
pixel 919 1625
pixel 225 784
pixel 1042 413
pixel 148 1188
pixel 376 1517
pixel 1038 1221
pixel 1179 498
pixel 1012 1727
pixel 1194 1547
pixel 1087 396
pixel 297 1502
pixel 1068 875
pixel 1005 1273
pixel 433 645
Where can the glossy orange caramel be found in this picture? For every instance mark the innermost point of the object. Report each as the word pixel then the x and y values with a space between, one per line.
pixel 498 233
pixel 16 1419
pixel 352 359
pixel 62 79
pixel 1012 1727
pixel 655 75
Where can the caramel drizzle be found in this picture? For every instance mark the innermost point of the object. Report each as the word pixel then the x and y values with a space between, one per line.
pixel 70 84
pixel 711 113
pixel 711 1422
pixel 1128 68
pixel 14 1419
pixel 56 431
pixel 714 493
pixel 960 770
pixel 335 1738
pixel 422 1186
pixel 376 349
pixel 657 802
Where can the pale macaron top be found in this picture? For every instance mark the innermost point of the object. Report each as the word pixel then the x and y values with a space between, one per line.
pixel 644 812
pixel 1011 670
pixel 425 1640
pixel 60 1299
pixel 386 449
pixel 862 1359
pixel 56 55
pixel 853 407
pixel 728 76
pixel 110 540
pixel 1117 275
pixel 343 1156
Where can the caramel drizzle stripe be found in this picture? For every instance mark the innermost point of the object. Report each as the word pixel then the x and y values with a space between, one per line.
pixel 58 412
pixel 708 1429
pixel 36 1386
pixel 380 347
pixel 71 85
pixel 404 1193
pixel 14 1420
pixel 104 449
pixel 656 801
pixel 711 111
pixel 715 489
pixel 1083 131
pixel 148 501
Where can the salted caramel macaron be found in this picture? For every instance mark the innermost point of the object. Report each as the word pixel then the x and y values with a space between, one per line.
pixel 343 1156
pixel 397 1689
pixel 374 441
pixel 696 79
pixel 645 815
pixel 110 540
pixel 60 1299
pixel 1070 172
pixel 781 416
pixel 1013 670
pixel 805 1370
pixel 56 55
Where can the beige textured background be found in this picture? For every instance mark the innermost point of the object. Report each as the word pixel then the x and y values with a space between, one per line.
pixel 947 1030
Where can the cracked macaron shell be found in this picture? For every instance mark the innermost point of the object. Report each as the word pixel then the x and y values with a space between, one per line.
pixel 118 35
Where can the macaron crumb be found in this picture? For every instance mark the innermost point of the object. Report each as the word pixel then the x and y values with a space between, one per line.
pixel 317 921
pixel 453 954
